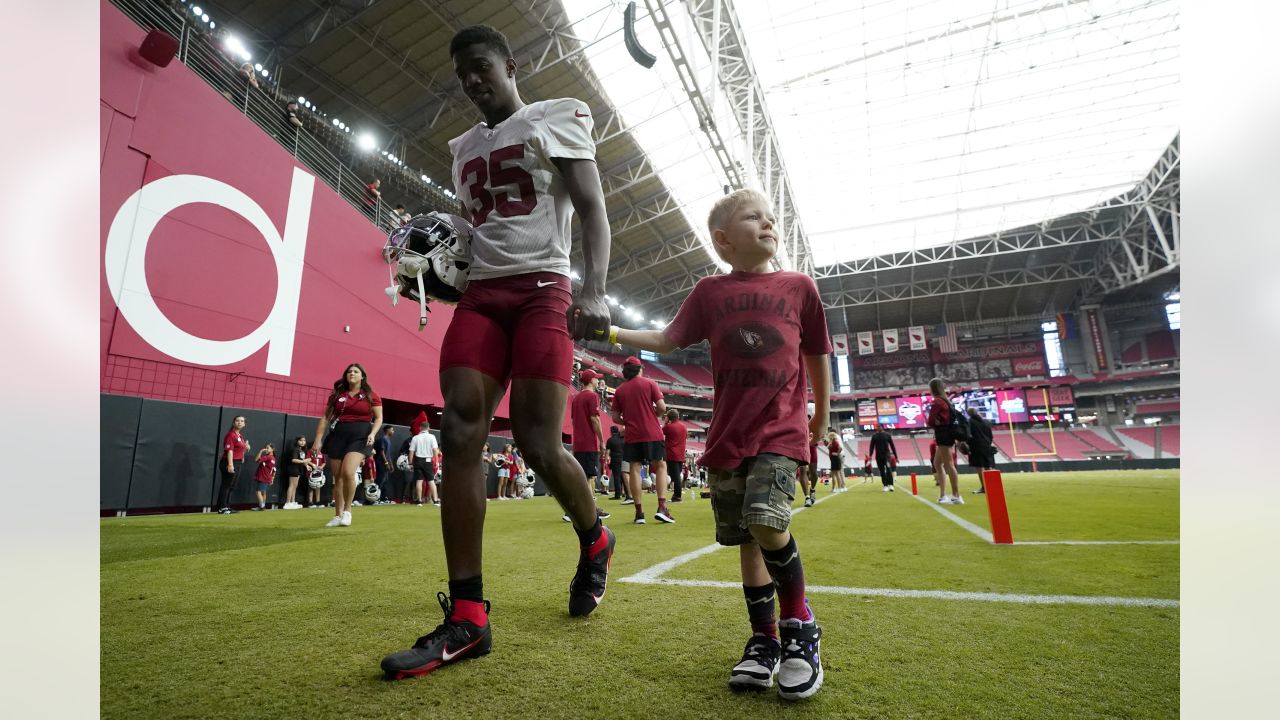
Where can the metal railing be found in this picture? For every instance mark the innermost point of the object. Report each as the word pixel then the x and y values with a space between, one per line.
pixel 329 153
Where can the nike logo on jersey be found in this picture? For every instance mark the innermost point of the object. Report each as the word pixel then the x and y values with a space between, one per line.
pixel 579 113
pixel 547 283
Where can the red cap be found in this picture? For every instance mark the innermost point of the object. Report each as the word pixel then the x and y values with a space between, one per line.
pixel 631 360
pixel 589 375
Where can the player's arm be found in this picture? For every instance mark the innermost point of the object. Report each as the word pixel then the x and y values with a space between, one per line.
pixel 589 313
pixel 652 340
pixel 819 371
pixel 892 448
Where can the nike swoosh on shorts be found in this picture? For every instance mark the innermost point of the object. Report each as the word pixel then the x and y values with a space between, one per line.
pixel 546 284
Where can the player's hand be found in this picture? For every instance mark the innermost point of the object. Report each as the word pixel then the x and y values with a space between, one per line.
pixel 588 317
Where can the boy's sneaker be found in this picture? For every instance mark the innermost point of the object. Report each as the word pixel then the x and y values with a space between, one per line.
pixel 759 663
pixel 450 642
pixel 800 672
pixel 586 590
pixel 664 515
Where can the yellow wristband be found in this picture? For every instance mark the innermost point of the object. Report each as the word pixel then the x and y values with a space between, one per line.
pixel 613 334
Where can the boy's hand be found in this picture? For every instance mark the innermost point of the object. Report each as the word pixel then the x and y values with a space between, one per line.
pixel 816 425
pixel 588 317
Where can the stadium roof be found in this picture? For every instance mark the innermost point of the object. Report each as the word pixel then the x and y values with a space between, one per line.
pixel 942 161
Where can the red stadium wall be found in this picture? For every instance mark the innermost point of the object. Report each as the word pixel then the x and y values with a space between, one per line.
pixel 231 276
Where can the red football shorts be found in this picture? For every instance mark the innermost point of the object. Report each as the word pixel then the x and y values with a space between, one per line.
pixel 513 327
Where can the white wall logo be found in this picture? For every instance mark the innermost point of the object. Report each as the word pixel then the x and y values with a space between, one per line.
pixel 125 262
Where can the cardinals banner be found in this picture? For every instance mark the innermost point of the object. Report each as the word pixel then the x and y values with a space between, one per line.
pixel 840 344
pixel 891 341
pixel 865 346
pixel 916 333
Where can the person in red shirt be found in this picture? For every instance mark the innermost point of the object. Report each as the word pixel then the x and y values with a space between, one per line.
pixel 315 471
pixel 768 335
pixel 352 416
pixel 265 474
pixel 835 451
pixel 588 438
pixel 233 449
pixel 637 403
pixel 674 435
pixel 944 461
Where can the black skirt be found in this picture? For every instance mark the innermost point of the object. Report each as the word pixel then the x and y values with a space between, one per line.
pixel 348 437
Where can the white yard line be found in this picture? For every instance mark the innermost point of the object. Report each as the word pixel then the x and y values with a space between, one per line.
pixel 986 535
pixel 650 574
pixel 1014 598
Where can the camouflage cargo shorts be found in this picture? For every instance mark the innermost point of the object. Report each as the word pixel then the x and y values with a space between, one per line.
pixel 758 492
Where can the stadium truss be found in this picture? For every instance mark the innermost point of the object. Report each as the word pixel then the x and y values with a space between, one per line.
pixel 385 63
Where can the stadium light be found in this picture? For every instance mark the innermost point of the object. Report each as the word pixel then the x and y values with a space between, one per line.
pixel 658 324
pixel 366 141
pixel 301 100
pixel 205 17
pixel 238 48
pixel 195 10
pixel 257 66
pixel 335 122
pixel 265 72
pixel 213 25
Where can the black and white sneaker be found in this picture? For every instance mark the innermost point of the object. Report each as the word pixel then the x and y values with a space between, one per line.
pixel 808 501
pixel 800 673
pixel 603 514
pixel 450 642
pixel 586 590
pixel 664 515
pixel 759 663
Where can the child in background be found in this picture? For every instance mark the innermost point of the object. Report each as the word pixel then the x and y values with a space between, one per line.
pixel 265 474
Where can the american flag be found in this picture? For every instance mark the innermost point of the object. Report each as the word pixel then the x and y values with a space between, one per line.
pixel 946 333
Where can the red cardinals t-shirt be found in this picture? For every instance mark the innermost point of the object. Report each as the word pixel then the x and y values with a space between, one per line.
pixel 939 413
pixel 635 400
pixel 234 445
pixel 585 405
pixel 266 468
pixel 760 325
pixel 675 434
pixel 355 408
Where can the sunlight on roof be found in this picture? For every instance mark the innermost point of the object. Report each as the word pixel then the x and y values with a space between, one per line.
pixel 913 123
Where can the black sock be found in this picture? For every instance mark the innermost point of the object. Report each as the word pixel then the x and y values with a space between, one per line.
pixel 788 577
pixel 587 537
pixel 761 609
pixel 471 588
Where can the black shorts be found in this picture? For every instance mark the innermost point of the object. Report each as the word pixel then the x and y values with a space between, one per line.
pixel 836 463
pixel 423 470
pixel 645 451
pixel 590 462
pixel 943 437
pixel 348 437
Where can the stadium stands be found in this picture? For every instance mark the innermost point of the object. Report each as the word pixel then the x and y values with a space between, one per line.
pixel 1141 441
pixel 1171 441
pixel 696 374
pixel 1095 440
pixel 1066 445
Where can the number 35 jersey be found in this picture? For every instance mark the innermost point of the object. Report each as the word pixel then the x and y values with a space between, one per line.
pixel 513 194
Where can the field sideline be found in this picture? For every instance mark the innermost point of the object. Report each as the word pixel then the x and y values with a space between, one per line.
pixel 270 615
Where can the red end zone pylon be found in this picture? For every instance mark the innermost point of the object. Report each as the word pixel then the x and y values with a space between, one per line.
pixel 914 491
pixel 1001 533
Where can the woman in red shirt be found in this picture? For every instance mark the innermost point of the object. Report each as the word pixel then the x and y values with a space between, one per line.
pixel 233 449
pixel 352 417
pixel 835 451
pixel 939 418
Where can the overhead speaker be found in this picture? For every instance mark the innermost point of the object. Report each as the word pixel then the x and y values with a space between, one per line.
pixel 639 54
pixel 158 48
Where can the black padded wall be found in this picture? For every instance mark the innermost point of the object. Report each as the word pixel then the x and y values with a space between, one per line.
pixel 173 462
pixel 119 436
pixel 260 427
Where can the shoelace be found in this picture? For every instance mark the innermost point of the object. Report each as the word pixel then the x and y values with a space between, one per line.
pixel 453 632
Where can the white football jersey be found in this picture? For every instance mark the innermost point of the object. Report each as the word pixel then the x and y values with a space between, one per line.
pixel 513 194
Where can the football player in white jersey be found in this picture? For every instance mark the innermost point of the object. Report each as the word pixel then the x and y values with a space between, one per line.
pixel 520 175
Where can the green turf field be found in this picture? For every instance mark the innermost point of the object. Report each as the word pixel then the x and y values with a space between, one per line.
pixel 269 615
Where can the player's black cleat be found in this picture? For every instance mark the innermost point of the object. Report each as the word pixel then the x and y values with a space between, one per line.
pixel 587 588
pixel 450 642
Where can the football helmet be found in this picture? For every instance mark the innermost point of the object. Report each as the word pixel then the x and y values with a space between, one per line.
pixel 429 259
pixel 500 462
pixel 372 493
pixel 316 479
